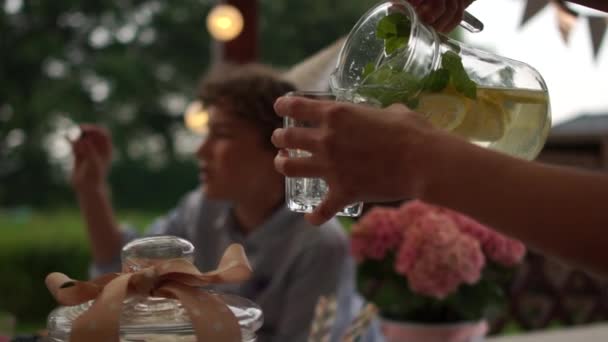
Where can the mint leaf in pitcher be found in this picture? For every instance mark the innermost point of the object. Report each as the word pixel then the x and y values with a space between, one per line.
pixel 393 44
pixel 368 69
pixel 437 80
pixel 458 75
pixel 388 86
pixel 395 30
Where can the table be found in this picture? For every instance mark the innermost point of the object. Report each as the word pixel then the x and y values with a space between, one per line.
pixel 582 333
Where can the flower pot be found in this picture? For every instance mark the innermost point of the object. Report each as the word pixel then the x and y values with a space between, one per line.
pixel 395 331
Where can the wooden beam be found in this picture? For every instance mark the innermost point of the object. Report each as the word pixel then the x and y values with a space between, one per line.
pixel 244 48
pixel 604 153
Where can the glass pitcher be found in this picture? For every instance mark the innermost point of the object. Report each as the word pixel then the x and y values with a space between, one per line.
pixel 391 57
pixel 492 101
pixel 152 318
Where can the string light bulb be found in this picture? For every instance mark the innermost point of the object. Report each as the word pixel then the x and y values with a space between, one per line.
pixel 196 118
pixel 225 22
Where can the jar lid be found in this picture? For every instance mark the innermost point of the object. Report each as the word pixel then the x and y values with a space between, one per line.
pixel 154 315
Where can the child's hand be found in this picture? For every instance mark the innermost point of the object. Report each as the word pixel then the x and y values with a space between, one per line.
pixel 92 157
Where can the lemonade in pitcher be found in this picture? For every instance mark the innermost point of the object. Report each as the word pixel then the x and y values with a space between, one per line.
pixel 391 57
pixel 495 102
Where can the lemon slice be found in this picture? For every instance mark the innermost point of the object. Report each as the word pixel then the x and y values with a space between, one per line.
pixel 442 110
pixel 486 120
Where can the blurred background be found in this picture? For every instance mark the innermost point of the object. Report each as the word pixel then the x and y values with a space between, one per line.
pixel 133 66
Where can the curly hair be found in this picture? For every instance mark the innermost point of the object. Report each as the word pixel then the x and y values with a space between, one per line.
pixel 249 91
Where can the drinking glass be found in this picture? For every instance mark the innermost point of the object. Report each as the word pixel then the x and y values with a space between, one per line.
pixel 305 194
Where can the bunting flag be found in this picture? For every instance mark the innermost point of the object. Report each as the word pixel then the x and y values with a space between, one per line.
pixel 597 27
pixel 532 8
pixel 566 20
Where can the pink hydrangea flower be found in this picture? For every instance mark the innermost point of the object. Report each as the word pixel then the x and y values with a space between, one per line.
pixel 375 234
pixel 411 211
pixel 499 248
pixel 505 251
pixel 436 257
pixel 436 249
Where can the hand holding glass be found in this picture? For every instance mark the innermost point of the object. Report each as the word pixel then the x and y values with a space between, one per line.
pixel 305 194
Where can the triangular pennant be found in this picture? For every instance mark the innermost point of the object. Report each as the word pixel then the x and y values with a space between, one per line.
pixel 597 28
pixel 531 9
pixel 566 19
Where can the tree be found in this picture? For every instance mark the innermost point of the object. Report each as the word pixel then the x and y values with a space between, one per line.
pixel 293 30
pixel 133 66
pixel 129 65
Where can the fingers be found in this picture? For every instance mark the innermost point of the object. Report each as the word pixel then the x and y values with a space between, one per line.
pixel 430 11
pixel 442 15
pixel 451 16
pixel 308 139
pixel 83 148
pixel 459 14
pixel 331 205
pixel 398 108
pixel 78 149
pixel 300 108
pixel 99 137
pixel 307 167
pixel 92 154
pixel 88 130
pixel 406 114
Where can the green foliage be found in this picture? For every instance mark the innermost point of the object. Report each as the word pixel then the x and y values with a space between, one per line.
pixel 380 284
pixel 395 30
pixel 115 63
pixel 24 268
pixel 135 186
pixel 291 30
pixel 451 62
pixel 437 80
pixel 387 84
pixel 129 65
pixel 35 244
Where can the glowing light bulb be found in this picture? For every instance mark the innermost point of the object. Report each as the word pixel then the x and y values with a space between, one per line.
pixel 225 22
pixel 196 118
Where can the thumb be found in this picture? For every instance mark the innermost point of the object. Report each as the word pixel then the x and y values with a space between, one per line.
pixel 332 204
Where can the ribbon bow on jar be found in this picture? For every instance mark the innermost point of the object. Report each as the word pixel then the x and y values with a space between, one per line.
pixel 179 279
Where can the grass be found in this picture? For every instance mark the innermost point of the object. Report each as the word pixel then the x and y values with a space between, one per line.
pixel 24 224
pixel 27 230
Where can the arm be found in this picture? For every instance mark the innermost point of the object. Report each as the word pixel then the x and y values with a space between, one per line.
pixel 92 152
pixel 92 156
pixel 559 210
pixel 103 232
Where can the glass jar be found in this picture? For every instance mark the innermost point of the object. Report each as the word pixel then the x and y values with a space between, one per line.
pixel 495 102
pixel 151 318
